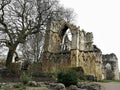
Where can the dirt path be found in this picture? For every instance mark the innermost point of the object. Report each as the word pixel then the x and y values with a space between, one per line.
pixel 111 86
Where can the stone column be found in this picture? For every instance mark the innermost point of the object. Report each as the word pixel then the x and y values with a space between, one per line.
pixel 75 47
pixel 75 39
pixel 116 71
pixel 82 40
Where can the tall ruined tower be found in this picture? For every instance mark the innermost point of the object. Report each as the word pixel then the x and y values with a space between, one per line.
pixel 79 52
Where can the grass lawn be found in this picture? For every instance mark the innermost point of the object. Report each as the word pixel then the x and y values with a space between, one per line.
pixel 109 81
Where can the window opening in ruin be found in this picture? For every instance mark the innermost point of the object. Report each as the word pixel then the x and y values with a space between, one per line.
pixel 109 72
pixel 108 66
pixel 66 40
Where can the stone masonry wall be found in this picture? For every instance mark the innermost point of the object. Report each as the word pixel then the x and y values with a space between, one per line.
pixel 91 65
pixel 80 51
pixel 110 64
pixel 54 62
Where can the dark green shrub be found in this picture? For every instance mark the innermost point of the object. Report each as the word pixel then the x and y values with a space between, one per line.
pixel 2 63
pixel 80 72
pixel 35 69
pixel 90 77
pixel 20 86
pixel 14 70
pixel 68 78
pixel 24 78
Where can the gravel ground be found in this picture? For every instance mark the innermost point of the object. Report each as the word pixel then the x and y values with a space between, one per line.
pixel 110 86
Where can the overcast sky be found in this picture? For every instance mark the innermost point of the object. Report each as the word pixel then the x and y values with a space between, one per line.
pixel 102 17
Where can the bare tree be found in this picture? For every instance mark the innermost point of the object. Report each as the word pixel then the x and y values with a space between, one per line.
pixel 22 18
pixel 33 48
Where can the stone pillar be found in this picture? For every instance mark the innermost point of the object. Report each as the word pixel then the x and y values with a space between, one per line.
pixel 75 39
pixel 82 40
pixel 75 47
pixel 116 71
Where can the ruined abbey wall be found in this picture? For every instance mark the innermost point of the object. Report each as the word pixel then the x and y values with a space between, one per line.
pixel 54 62
pixel 110 65
pixel 60 52
pixel 90 61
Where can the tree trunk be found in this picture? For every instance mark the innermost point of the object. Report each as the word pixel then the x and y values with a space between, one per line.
pixel 10 55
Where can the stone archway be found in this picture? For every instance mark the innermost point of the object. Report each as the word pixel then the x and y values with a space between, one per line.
pixel 108 66
pixel 53 39
pixel 109 72
pixel 55 33
pixel 111 61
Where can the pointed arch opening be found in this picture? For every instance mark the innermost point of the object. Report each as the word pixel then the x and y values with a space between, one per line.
pixel 66 38
pixel 108 66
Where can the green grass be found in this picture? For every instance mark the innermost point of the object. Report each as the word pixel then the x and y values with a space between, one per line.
pixel 106 81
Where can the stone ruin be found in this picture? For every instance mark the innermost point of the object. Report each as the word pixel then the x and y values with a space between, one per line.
pixel 110 66
pixel 60 52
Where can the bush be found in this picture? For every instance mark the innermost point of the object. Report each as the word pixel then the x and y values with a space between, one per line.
pixel 2 63
pixel 14 70
pixel 80 72
pixel 91 78
pixel 25 78
pixel 68 78
pixel 35 69
pixel 19 86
